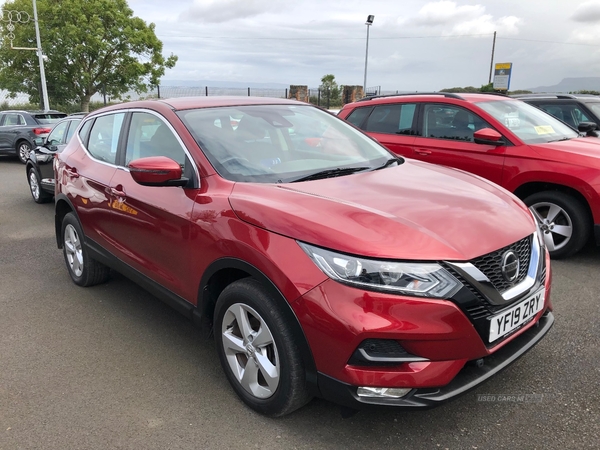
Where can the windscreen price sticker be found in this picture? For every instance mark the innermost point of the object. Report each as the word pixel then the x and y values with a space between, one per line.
pixel 507 321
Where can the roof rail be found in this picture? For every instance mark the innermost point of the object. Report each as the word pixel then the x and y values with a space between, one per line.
pixel 489 93
pixel 444 94
pixel 563 96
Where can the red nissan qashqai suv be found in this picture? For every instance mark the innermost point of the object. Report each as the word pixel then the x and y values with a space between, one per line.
pixel 323 264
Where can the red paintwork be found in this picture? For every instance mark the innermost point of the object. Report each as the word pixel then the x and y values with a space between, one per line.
pixel 574 163
pixel 393 213
pixel 336 318
pixel 154 169
pixel 413 211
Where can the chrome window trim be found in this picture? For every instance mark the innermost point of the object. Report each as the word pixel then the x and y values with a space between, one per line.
pixel 87 152
pixel 132 110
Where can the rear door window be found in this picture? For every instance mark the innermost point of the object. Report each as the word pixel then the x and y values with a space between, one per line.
pixel 392 119
pixel 72 127
pixel 104 137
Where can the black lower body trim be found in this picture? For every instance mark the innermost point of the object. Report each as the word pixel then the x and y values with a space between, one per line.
pixel 468 378
pixel 176 302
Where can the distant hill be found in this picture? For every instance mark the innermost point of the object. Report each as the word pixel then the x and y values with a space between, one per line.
pixel 223 84
pixel 570 85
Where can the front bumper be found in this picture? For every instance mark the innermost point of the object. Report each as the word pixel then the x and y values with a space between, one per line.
pixel 468 378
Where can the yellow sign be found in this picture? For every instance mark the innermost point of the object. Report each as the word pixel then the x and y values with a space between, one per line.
pixel 504 66
pixel 544 129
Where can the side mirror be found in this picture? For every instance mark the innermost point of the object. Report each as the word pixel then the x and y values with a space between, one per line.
pixel 487 136
pixel 589 128
pixel 157 171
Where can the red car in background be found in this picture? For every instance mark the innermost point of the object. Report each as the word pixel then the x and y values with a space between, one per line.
pixel 323 264
pixel 530 153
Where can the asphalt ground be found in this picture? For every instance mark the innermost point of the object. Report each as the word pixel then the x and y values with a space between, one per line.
pixel 111 367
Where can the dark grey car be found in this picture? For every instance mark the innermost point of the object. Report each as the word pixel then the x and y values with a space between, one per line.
pixel 20 131
pixel 571 109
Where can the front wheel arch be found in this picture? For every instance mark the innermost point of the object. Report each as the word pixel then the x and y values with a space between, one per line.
pixel 220 274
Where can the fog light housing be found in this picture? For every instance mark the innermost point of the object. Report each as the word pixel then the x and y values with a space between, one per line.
pixel 382 392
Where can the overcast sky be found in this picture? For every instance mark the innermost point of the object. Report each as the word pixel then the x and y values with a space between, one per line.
pixel 413 44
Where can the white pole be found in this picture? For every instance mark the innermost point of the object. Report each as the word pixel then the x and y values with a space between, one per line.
pixel 41 58
pixel 366 59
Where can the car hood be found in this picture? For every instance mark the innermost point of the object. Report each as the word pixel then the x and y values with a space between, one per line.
pixel 563 151
pixel 414 211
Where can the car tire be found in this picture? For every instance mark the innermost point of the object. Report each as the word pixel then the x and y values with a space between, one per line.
pixel 35 187
pixel 564 220
pixel 23 148
pixel 269 376
pixel 84 270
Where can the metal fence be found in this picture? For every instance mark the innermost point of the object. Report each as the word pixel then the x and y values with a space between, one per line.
pixel 316 96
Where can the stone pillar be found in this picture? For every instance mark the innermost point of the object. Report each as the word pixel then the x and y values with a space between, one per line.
pixel 299 93
pixel 352 93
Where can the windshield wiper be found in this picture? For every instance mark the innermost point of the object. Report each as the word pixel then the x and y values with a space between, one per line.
pixel 561 139
pixel 330 173
pixel 388 163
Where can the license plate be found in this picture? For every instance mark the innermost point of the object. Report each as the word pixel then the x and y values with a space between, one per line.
pixel 503 323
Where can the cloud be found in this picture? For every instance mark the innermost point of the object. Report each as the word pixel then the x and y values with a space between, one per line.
pixel 446 12
pixel 587 12
pixel 219 11
pixel 486 25
pixel 452 19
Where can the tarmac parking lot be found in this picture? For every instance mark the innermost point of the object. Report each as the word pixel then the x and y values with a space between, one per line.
pixel 113 367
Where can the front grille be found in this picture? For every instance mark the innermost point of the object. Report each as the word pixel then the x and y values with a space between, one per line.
pixel 476 306
pixel 490 264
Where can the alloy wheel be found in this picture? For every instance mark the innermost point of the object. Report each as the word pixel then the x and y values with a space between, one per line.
pixel 74 251
pixel 555 223
pixel 24 149
pixel 34 185
pixel 250 350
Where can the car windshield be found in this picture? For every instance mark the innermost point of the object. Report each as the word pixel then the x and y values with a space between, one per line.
pixel 595 107
pixel 281 143
pixel 530 124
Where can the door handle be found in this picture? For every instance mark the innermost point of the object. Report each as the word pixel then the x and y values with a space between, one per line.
pixel 422 151
pixel 72 172
pixel 118 191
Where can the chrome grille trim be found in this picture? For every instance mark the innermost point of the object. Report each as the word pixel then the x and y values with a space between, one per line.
pixel 483 284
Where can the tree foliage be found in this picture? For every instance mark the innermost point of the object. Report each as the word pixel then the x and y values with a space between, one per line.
pixel 330 91
pixel 91 46
pixel 587 92
pixel 484 88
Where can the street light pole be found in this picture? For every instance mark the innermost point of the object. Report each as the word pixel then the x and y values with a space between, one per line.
pixel 41 58
pixel 368 23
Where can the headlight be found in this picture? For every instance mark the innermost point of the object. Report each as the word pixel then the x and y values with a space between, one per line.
pixel 415 279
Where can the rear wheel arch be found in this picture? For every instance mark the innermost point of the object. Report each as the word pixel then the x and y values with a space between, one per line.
pixel 222 273
pixel 62 207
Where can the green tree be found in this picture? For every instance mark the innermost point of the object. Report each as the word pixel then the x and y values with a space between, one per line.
pixel 91 46
pixel 487 88
pixel 330 91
